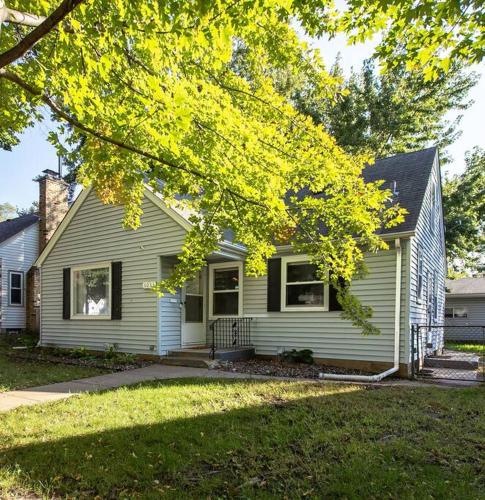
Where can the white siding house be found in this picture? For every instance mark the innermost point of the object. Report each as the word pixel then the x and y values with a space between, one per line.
pixel 96 279
pixel 18 252
pixel 465 308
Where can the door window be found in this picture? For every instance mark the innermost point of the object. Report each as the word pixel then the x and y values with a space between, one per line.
pixel 194 301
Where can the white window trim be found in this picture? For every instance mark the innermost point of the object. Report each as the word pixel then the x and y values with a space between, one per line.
pixel 435 295
pixel 326 288
pixel 225 265
pixel 432 222
pixel 453 312
pixel 95 265
pixel 420 263
pixel 21 288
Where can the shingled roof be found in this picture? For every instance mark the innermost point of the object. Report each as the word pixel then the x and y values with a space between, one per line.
pixel 11 227
pixel 410 172
pixel 466 286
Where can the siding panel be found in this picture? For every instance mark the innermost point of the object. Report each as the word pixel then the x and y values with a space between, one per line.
pixel 431 243
pixel 96 234
pixel 18 253
pixel 325 333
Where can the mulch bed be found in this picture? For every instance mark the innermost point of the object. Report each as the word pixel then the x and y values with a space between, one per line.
pixel 280 369
pixel 44 356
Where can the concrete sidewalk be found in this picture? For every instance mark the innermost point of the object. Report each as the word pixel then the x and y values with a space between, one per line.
pixel 63 390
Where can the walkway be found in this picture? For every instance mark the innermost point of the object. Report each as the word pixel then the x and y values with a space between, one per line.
pixel 63 390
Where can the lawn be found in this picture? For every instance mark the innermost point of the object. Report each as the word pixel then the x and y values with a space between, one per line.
pixel 472 348
pixel 199 438
pixel 16 374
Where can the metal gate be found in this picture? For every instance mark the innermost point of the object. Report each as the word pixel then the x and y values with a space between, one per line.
pixel 449 352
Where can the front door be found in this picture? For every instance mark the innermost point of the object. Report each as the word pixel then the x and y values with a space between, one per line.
pixel 193 315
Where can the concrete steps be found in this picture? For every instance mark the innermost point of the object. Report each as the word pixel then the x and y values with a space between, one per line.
pixel 199 357
pixel 465 362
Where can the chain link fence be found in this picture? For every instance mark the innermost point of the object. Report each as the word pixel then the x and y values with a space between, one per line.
pixel 449 352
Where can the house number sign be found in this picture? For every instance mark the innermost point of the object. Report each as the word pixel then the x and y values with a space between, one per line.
pixel 148 284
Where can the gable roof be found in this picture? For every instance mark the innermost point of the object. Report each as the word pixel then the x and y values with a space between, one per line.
pixel 11 227
pixel 410 172
pixel 466 286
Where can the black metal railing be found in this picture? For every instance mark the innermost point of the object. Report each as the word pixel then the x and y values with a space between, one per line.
pixel 455 352
pixel 227 333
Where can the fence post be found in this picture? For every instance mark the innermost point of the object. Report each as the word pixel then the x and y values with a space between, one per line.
pixel 413 374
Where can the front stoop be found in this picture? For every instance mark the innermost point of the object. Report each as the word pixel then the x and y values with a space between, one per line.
pixel 200 357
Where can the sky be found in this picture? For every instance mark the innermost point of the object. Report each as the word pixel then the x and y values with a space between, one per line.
pixel 34 153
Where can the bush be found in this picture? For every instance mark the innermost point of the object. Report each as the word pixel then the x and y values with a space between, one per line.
pixel 301 356
pixel 79 353
pixel 114 357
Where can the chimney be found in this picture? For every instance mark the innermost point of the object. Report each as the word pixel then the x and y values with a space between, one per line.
pixel 53 204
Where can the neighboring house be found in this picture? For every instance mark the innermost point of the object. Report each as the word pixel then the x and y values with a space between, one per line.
pixel 465 306
pixel 96 279
pixel 19 248
pixel 20 241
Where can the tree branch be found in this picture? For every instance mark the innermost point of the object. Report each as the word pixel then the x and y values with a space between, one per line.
pixel 8 15
pixel 77 124
pixel 45 27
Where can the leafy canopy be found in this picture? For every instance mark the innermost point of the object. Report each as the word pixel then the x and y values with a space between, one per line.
pixel 464 207
pixel 394 112
pixel 150 91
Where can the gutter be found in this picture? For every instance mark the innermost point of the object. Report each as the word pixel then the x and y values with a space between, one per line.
pixel 397 333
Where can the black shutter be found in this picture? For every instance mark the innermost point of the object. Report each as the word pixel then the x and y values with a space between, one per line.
pixel 333 303
pixel 116 290
pixel 274 285
pixel 66 293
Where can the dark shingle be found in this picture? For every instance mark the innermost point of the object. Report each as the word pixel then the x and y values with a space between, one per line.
pixel 410 172
pixel 11 227
pixel 466 286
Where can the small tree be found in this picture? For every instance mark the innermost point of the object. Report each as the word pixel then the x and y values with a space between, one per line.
pixel 7 211
pixel 464 207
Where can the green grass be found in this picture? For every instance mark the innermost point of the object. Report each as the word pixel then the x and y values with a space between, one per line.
pixel 16 374
pixel 473 348
pixel 200 438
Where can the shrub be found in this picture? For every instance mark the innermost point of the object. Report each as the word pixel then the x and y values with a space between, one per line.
pixel 301 356
pixel 79 353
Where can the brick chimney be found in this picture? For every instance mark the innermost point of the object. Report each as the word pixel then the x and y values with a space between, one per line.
pixel 53 204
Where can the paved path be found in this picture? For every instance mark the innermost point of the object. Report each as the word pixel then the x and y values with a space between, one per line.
pixel 63 390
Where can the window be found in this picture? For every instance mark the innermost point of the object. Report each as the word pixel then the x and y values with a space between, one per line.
pixel 432 215
pixel 419 288
pixel 301 289
pixel 225 286
pixel 435 295
pixel 194 300
pixel 456 312
pixel 91 291
pixel 16 288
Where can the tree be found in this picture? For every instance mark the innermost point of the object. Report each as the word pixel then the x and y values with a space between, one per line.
pixel 149 89
pixel 7 211
pixel 464 207
pixel 389 113
pixel 33 209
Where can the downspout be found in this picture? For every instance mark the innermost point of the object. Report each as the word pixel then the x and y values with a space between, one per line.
pixel 397 332
pixel 39 343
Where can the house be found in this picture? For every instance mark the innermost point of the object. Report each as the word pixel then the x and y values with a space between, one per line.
pixel 19 248
pixel 465 307
pixel 96 279
pixel 21 240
